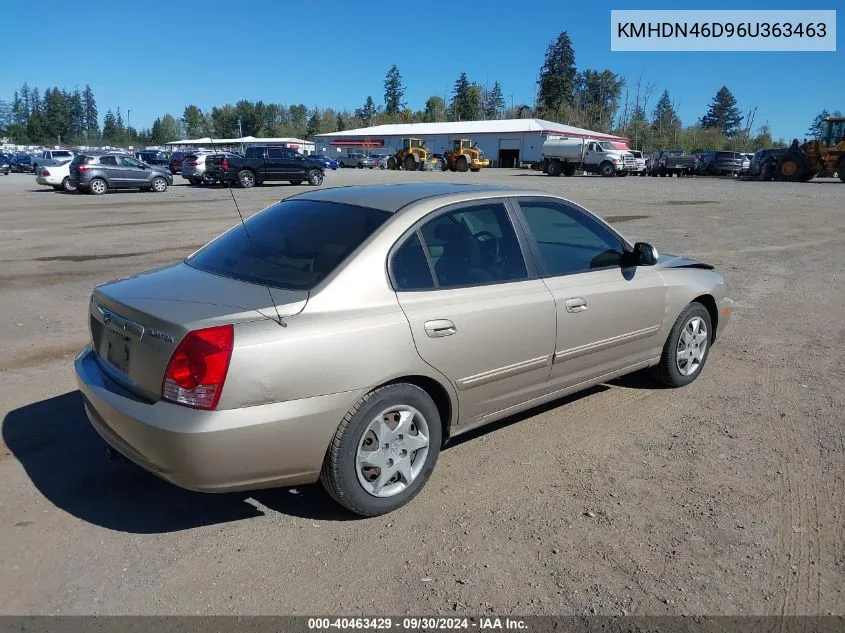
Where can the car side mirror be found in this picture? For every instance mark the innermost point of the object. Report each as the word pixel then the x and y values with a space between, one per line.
pixel 645 254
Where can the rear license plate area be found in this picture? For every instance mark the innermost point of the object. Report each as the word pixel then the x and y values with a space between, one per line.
pixel 116 349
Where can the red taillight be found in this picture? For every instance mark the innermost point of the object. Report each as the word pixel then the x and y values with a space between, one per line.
pixel 197 369
pixel 82 168
pixel 194 164
pixel 45 173
pixel 224 165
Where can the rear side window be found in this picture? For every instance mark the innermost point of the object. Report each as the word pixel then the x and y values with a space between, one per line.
pixel 292 244
pixel 254 152
pixel 409 266
pixel 108 160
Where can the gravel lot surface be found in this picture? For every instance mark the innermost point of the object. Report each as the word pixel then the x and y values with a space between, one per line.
pixel 726 497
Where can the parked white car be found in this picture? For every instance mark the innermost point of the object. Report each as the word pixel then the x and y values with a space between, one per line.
pixel 55 176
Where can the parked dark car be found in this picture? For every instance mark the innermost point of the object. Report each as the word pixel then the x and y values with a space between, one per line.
pixel 720 164
pixel 764 164
pixel 22 164
pixel 262 163
pixel 98 173
pixel 673 162
pixel 176 159
pixel 151 157
pixel 5 164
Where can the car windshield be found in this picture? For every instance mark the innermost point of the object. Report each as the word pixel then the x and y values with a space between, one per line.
pixel 292 244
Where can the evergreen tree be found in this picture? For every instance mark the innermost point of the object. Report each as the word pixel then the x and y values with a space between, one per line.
pixel 20 116
pixel 817 127
pixel 723 113
pixel 109 128
pixel 466 100
pixel 340 124
pixel 367 112
pixel 394 92
pixel 26 101
pixel 313 125
pixel 494 102
pixel 76 113
pixel 92 119
pixel 664 117
pixel 193 121
pixel 558 76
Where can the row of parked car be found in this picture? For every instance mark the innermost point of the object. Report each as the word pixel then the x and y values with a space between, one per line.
pixel 675 162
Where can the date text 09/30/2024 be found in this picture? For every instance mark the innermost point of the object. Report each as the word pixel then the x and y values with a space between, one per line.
pixel 417 623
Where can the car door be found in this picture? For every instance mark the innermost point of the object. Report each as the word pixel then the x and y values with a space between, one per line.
pixel 275 163
pixel 133 174
pixel 295 164
pixel 110 169
pixel 609 312
pixel 477 311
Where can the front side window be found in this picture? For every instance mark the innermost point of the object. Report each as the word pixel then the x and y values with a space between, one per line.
pixel 474 245
pixel 292 244
pixel 568 240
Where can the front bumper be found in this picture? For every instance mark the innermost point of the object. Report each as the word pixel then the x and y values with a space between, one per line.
pixel 263 446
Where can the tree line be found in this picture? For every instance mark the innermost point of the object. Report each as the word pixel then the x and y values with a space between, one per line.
pixel 596 99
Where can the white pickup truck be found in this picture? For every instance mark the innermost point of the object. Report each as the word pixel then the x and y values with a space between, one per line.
pixel 566 155
pixel 51 157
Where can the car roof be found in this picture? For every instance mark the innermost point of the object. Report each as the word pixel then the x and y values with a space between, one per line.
pixel 392 198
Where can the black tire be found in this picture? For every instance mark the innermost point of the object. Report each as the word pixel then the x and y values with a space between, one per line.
pixel 555 168
pixel 339 473
pixel 360 166
pixel 67 186
pixel 98 186
pixel 840 169
pixel 410 163
pixel 296 182
pixel 391 163
pixel 606 169
pixel 666 371
pixel 158 184
pixel 461 164
pixel 568 170
pixel 792 167
pixel 315 177
pixel 246 178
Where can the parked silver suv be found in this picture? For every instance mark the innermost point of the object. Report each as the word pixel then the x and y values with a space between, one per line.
pixel 193 167
pixel 98 173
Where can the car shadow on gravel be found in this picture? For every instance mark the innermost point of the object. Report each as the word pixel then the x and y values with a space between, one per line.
pixel 65 459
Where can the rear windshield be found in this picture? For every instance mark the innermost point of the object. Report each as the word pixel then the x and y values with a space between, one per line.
pixel 727 155
pixel 292 244
pixel 62 154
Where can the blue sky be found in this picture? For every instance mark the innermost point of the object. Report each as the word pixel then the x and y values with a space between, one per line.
pixel 154 57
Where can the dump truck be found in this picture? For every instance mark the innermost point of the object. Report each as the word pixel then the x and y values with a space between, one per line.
pixel 464 155
pixel 818 157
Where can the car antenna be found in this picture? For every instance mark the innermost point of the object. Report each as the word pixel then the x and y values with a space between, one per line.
pixel 228 185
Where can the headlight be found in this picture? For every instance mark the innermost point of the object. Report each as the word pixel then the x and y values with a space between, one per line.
pixel 616 160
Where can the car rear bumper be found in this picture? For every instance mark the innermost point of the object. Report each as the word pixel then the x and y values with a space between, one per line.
pixel 262 446
pixel 192 172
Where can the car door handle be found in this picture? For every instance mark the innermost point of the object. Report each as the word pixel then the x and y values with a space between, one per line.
pixel 576 304
pixel 439 327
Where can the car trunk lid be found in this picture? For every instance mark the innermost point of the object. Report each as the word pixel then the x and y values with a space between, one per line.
pixel 136 323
